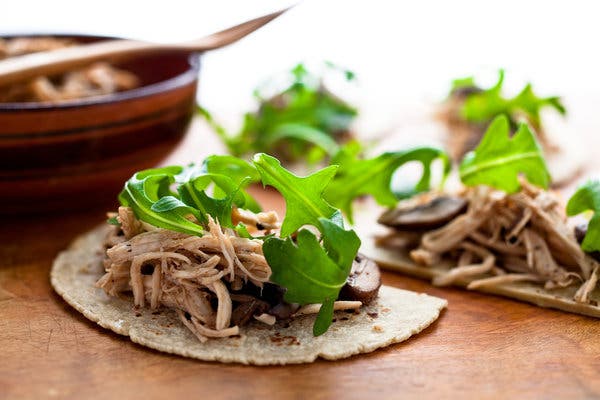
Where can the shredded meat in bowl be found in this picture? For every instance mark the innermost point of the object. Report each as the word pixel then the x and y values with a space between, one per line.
pixel 96 79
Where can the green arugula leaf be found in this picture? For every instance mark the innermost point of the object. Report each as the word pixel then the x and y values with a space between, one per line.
pixel 303 195
pixel 150 196
pixel 235 168
pixel 312 273
pixel 147 188
pixel 462 83
pixel 113 221
pixel 531 104
pixel 240 171
pixel 193 193
pixel 241 230
pixel 357 177
pixel 293 121
pixel 324 317
pixel 305 133
pixel 587 197
pixel 340 244
pixel 482 106
pixel 499 159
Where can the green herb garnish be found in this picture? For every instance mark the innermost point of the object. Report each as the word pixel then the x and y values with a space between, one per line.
pixel 482 106
pixel 304 121
pixel 303 195
pixel 199 193
pixel 312 273
pixel 113 221
pixel 149 195
pixel 499 159
pixel 586 198
pixel 357 176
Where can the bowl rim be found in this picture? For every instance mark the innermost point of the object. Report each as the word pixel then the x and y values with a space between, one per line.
pixel 188 76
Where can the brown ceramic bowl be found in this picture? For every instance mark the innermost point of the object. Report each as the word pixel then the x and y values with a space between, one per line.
pixel 76 154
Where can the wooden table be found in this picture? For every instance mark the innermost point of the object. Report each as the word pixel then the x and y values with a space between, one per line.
pixel 481 347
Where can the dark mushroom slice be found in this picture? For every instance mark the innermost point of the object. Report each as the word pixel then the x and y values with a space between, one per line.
pixel 424 212
pixel 363 282
pixel 580 231
pixel 242 313
pixel 283 310
pixel 269 293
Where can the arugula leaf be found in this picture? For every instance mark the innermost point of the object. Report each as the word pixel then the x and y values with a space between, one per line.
pixel 357 177
pixel 303 195
pixel 324 317
pixel 150 196
pixel 113 221
pixel 463 83
pixel 235 168
pixel 312 273
pixel 147 188
pixel 241 230
pixel 499 159
pixel 294 121
pixel 193 193
pixel 531 104
pixel 240 171
pixel 305 133
pixel 482 106
pixel 587 197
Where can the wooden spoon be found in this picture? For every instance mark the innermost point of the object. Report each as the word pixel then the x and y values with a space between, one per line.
pixel 53 62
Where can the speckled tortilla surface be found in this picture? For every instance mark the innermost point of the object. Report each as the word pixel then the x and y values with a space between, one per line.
pixel 394 317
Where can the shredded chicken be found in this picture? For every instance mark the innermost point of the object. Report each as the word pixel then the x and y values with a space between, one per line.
pixel 211 281
pixel 266 318
pixel 507 238
pixel 263 221
pixel 97 79
pixel 188 273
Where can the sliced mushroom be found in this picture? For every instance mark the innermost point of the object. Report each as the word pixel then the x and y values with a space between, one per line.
pixel 269 293
pixel 424 212
pixel 363 282
pixel 283 310
pixel 243 312
pixel 580 232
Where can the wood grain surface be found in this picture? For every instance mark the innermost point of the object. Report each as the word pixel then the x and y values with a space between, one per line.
pixel 482 347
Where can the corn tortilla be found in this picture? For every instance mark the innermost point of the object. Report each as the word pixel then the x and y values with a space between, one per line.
pixel 394 317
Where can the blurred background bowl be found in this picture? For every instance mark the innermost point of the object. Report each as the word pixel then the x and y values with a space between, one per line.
pixel 78 153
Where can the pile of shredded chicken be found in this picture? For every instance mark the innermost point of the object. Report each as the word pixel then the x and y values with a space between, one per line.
pixel 505 238
pixel 97 79
pixel 216 282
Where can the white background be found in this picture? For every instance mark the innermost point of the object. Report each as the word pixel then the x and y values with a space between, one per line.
pixel 403 51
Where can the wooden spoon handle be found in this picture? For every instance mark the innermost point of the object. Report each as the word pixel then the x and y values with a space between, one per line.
pixel 53 62
pixel 56 61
